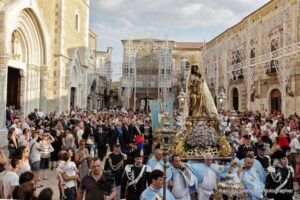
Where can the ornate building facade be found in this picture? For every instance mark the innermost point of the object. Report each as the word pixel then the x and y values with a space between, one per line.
pixel 256 62
pixel 43 55
pixel 155 69
pixel 147 72
pixel 99 81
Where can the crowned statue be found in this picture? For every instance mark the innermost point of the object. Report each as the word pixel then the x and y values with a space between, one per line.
pixel 203 135
pixel 200 100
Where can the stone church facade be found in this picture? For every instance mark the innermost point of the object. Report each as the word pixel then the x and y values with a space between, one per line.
pixel 43 55
pixel 255 63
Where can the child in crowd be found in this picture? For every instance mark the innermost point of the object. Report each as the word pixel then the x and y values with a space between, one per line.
pixel 58 177
pixel 68 171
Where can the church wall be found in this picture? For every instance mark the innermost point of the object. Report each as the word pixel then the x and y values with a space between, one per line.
pixel 50 14
pixel 66 42
pixel 24 45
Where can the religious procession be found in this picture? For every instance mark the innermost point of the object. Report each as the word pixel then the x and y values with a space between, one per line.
pixel 196 152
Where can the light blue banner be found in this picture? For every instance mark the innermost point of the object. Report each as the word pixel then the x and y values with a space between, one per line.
pixel 155 112
pixel 168 107
pixel 155 108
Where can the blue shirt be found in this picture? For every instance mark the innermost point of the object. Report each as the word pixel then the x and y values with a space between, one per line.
pixel 151 194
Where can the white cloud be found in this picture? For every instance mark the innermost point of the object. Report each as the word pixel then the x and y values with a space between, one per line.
pixel 114 20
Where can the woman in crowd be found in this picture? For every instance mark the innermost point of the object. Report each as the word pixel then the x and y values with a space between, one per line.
pixel 46 149
pixel 69 141
pixel 23 154
pixel 12 141
pixel 24 139
pixel 82 157
pixel 56 134
pixel 283 140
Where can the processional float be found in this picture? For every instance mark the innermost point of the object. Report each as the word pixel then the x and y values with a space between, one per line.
pixel 197 131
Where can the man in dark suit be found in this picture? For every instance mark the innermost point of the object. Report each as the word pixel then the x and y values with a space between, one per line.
pixel 33 116
pixel 101 141
pixel 264 160
pixel 245 146
pixel 126 132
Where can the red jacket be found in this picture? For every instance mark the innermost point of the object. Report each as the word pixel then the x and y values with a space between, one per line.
pixel 283 141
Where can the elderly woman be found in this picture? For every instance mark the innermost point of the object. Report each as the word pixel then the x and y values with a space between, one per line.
pixel 295 148
pixel 82 157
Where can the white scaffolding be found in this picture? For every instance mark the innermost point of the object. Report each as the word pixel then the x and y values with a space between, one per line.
pixel 165 71
pixel 130 80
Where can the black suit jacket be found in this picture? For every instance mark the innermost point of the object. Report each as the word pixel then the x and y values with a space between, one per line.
pixel 243 149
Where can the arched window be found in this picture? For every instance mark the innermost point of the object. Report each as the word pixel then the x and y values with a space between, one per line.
pixel 77 22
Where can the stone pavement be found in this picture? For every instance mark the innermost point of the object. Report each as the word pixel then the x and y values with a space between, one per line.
pixel 51 182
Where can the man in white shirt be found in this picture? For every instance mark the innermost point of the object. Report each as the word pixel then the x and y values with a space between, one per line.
pixel 26 124
pixel 80 131
pixel 273 134
pixel 11 178
pixel 295 149
pixel 40 113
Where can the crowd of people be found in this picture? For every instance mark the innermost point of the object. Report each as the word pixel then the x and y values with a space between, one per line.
pixel 110 154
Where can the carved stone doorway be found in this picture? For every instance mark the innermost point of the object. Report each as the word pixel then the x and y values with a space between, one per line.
pixel 73 98
pixel 275 100
pixel 235 99
pixel 13 95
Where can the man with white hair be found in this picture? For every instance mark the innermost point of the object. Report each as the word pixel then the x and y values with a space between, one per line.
pixel 273 134
pixel 207 174
pixel 156 162
pixel 295 148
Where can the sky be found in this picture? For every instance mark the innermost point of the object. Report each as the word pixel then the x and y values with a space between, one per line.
pixel 178 20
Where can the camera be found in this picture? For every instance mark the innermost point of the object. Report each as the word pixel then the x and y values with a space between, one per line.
pixel 110 180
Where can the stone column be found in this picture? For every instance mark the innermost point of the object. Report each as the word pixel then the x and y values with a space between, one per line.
pixel 23 89
pixel 3 87
pixel 44 88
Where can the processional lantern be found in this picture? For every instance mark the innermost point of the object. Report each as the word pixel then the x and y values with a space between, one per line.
pixel 233 115
pixel 222 100
pixel 181 99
